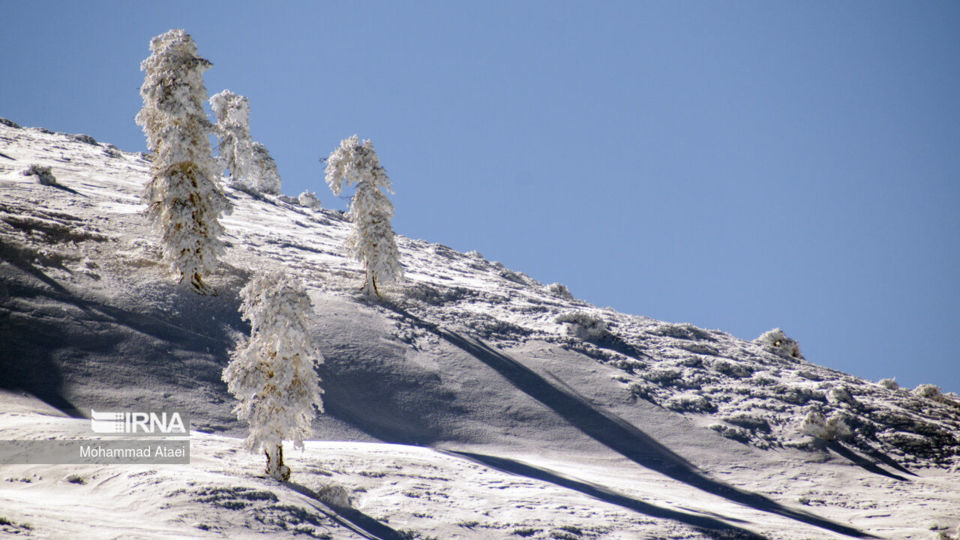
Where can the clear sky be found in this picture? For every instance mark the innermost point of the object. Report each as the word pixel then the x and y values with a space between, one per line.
pixel 737 165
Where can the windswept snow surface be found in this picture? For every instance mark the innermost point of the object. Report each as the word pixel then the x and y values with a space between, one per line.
pixel 472 402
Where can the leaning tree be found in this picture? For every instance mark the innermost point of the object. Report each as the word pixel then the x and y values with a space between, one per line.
pixel 372 240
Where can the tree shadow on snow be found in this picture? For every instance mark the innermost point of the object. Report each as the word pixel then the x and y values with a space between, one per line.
pixel 708 525
pixel 25 361
pixel 865 463
pixel 351 518
pixel 45 338
pixel 887 460
pixel 615 432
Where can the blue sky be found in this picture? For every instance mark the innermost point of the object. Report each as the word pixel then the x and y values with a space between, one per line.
pixel 736 165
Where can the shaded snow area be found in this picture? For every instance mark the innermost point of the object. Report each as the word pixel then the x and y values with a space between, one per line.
pixel 472 402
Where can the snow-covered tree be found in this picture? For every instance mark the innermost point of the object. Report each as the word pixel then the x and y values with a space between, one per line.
pixel 272 373
pixel 249 162
pixel 372 240
pixel 183 198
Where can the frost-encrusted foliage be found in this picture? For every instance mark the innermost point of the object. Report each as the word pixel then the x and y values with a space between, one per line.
pixel 929 391
pixel 776 341
pixel 183 198
pixel 249 162
pixel 689 403
pixel 372 240
pixel 583 325
pixel 816 425
pixel 267 179
pixel 889 384
pixel 43 174
pixel 560 291
pixel 310 200
pixel 272 373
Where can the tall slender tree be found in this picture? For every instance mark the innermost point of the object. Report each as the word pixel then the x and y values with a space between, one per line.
pixel 272 373
pixel 183 198
pixel 372 240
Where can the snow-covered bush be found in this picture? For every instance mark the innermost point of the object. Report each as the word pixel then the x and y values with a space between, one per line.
pixel 928 391
pixel 778 342
pixel 889 384
pixel 689 402
pixel 249 162
pixel 583 325
pixel 183 198
pixel 840 394
pixel 732 369
pixel 309 199
pixel 272 373
pixel 43 174
pixel 372 240
pixel 816 425
pixel 335 495
pixel 560 291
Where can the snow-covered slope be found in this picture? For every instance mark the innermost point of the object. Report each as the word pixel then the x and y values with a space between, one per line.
pixel 472 402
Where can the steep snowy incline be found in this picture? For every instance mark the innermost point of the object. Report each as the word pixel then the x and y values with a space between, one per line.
pixel 465 356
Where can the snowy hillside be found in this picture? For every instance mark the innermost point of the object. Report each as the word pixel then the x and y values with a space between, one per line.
pixel 473 402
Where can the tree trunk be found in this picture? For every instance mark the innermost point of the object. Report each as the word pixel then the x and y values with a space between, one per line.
pixel 275 467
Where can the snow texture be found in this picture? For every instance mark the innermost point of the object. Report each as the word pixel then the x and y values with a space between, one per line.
pixel 272 373
pixel 458 408
pixel 372 240
pixel 248 162
pixel 183 198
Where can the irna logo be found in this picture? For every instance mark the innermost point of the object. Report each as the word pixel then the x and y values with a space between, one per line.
pixel 137 423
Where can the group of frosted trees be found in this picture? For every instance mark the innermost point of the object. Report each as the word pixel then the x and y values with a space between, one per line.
pixel 271 373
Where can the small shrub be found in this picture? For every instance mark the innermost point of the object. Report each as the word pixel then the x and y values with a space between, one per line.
pixel 928 391
pixel 309 199
pixel 664 377
pixel 43 174
pixel 889 384
pixel 731 369
pixel 642 391
pixel 778 342
pixel 86 139
pixel 694 403
pixel 560 291
pixel 583 325
pixel 798 395
pixel 841 395
pixel 76 479
pixel 816 425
